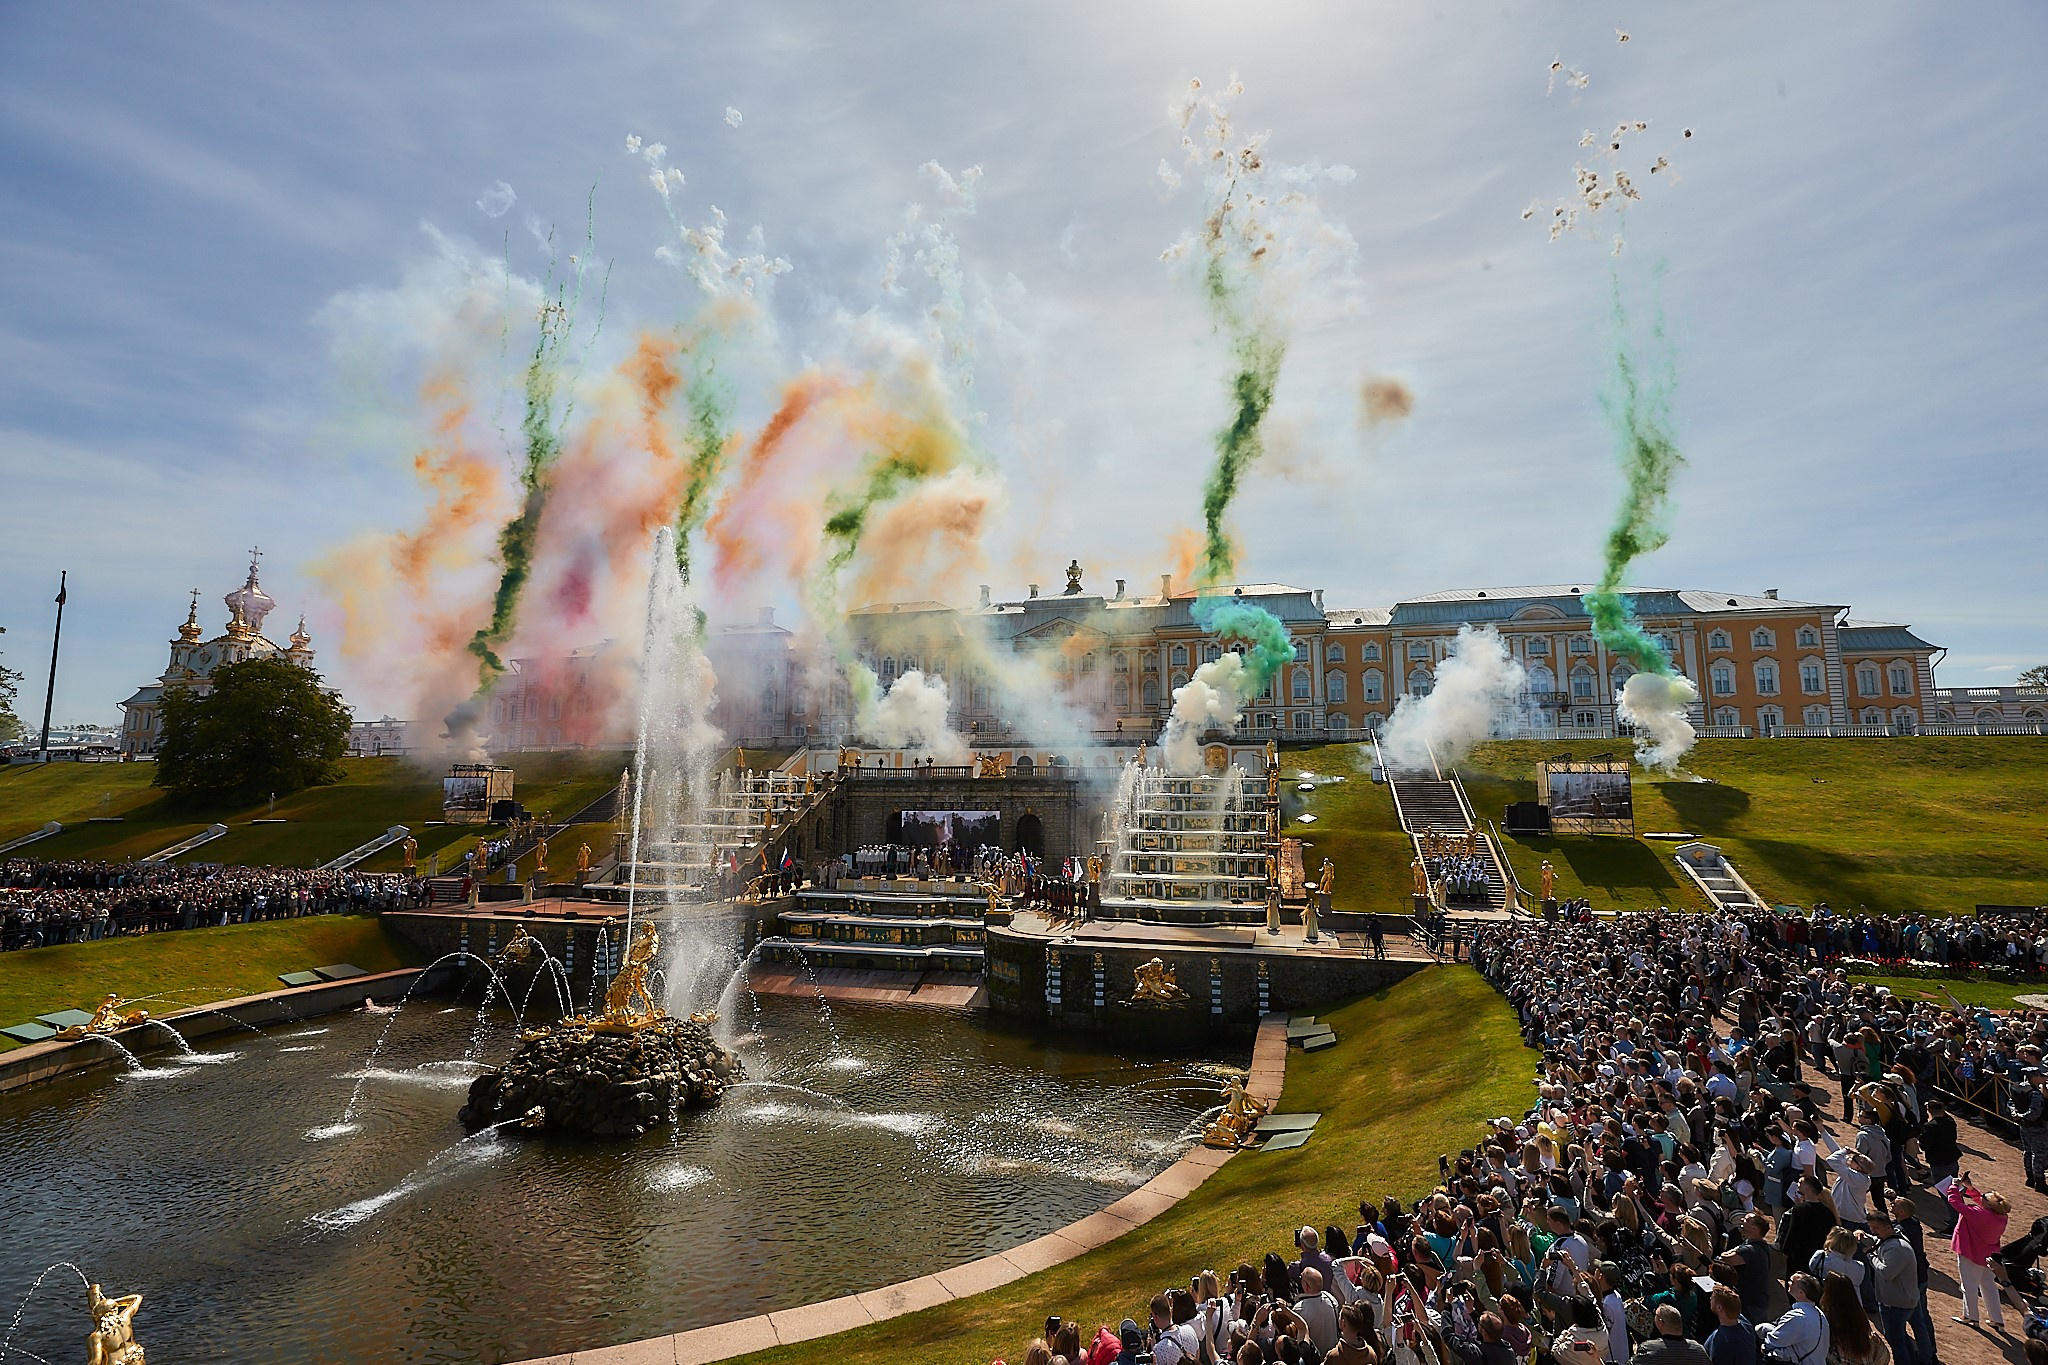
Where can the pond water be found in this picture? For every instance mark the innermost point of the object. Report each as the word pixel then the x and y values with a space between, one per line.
pixel 878 1145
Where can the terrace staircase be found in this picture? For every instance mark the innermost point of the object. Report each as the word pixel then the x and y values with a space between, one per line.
pixel 1709 869
pixel 1435 801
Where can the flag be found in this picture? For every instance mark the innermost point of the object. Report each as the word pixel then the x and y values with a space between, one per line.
pixel 787 861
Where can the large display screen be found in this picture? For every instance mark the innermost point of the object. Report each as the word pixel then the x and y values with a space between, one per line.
pixel 967 829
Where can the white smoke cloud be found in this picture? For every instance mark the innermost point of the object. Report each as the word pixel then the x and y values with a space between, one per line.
pixel 1475 686
pixel 497 201
pixel 911 715
pixel 1660 709
pixel 732 117
pixel 1213 698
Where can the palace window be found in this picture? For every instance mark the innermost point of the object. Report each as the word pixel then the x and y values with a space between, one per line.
pixel 1151 692
pixel 1087 663
pixel 1339 725
pixel 554 708
pixel 980 697
pixel 1301 684
pixel 1664 642
pixel 1866 680
pixel 1581 644
pixel 1873 715
pixel 1816 715
pixel 1903 718
pixel 1541 679
pixel 1902 680
pixel 1333 686
pixel 1622 673
pixel 1120 661
pixel 1180 655
pixel 1582 684
pixel 1763 637
pixel 1585 720
pixel 1370 685
pixel 1419 682
pixel 1769 719
pixel 1717 639
pixel 1211 653
pixel 1266 721
pixel 1180 680
pixel 1301 721
pixel 1723 674
pixel 888 670
pixel 1727 715
pixel 1539 644
pixel 1369 651
pixel 1809 638
pixel 1810 680
pixel 1335 653
pixel 1418 649
pixel 1766 678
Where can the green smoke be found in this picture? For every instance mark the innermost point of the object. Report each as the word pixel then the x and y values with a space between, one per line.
pixel 1239 443
pixel 1233 618
pixel 707 435
pixel 1638 405
pixel 543 442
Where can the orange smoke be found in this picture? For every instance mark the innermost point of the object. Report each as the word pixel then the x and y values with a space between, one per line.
pixel 926 541
pixel 1186 547
pixel 656 379
pixel 749 506
pixel 1383 398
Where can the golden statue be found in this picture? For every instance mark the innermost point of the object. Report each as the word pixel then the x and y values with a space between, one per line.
pixel 1073 577
pixel 1156 986
pixel 1272 907
pixel 412 853
pixel 629 1004
pixel 1095 869
pixel 583 858
pixel 113 1333
pixel 540 848
pixel 106 1019
pixel 1240 1116
pixel 1326 880
pixel 1549 877
pixel 519 947
pixel 1421 872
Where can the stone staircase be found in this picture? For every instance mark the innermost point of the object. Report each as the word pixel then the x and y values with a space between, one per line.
pixel 1712 873
pixel 1431 800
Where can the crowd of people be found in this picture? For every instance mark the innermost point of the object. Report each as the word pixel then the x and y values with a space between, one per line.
pixel 1465 879
pixel 45 902
pixel 1681 1192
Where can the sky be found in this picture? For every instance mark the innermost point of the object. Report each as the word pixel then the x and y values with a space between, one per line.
pixel 204 209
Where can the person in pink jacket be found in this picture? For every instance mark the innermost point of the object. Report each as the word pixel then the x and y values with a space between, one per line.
pixel 1980 1225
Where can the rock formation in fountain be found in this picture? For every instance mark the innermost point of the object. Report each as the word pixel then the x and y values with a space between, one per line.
pixel 568 1079
pixel 617 1075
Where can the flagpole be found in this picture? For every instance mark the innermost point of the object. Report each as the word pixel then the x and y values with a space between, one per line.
pixel 50 692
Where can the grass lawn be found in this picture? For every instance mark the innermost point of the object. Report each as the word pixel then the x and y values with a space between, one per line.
pixel 1416 1069
pixel 1925 824
pixel 321 823
pixel 1355 827
pixel 193 965
pixel 1997 995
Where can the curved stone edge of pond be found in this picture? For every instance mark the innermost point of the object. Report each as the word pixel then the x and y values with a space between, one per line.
pixel 51 1058
pixel 808 1322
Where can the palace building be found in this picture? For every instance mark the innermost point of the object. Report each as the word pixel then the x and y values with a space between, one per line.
pixel 1764 665
pixel 194 658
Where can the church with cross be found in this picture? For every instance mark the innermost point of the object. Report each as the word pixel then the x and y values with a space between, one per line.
pixel 193 658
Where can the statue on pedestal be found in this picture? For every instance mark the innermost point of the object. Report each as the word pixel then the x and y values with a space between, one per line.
pixel 540 852
pixel 1273 908
pixel 583 858
pixel 1421 872
pixel 412 854
pixel 1549 877
pixel 113 1335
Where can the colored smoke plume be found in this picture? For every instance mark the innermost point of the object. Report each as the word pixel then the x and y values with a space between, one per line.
pixel 1383 399
pixel 1477 684
pixel 1262 241
pixel 1638 406
pixel 1215 697
pixel 929 539
pixel 755 513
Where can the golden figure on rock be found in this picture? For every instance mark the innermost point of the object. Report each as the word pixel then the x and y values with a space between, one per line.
pixel 629 1003
pixel 106 1019
pixel 1156 986
pixel 1241 1114
pixel 519 947
pixel 113 1334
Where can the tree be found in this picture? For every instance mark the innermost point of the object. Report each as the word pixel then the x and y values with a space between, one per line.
pixel 267 726
pixel 2037 676
pixel 10 683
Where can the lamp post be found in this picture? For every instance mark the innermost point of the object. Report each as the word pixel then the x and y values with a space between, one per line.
pixel 50 691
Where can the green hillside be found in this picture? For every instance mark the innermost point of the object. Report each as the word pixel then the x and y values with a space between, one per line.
pixel 321 823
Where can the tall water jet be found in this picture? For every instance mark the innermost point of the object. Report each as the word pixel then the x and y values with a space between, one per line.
pixel 673 757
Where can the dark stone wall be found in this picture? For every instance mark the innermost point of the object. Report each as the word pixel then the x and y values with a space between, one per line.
pixel 1025 973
